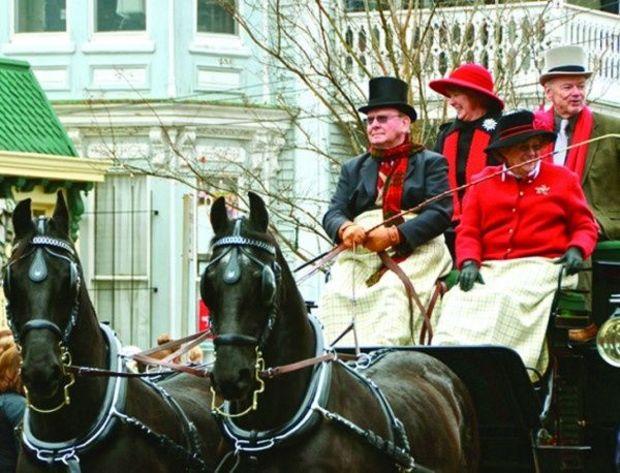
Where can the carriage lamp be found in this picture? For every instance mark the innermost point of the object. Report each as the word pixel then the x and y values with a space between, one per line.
pixel 608 338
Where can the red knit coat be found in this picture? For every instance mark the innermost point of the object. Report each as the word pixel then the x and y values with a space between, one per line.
pixel 515 218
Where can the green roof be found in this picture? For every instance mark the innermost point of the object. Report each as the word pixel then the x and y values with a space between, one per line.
pixel 27 121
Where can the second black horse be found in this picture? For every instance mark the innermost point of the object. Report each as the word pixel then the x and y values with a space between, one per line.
pixel 330 417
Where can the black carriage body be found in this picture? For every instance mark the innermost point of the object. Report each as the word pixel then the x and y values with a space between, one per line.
pixel 580 432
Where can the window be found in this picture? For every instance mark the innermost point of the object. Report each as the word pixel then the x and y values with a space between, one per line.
pixel 122 285
pixel 120 15
pixel 215 16
pixel 34 16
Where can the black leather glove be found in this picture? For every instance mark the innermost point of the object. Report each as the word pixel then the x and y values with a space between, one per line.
pixel 572 260
pixel 469 275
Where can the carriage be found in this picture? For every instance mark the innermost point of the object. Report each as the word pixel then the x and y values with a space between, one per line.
pixel 323 414
pixel 570 420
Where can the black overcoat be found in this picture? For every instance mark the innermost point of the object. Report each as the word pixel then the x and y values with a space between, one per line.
pixel 426 176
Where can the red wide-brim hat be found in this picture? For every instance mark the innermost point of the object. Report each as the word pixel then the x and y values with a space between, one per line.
pixel 472 77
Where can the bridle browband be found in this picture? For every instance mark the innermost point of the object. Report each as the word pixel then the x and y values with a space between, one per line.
pixel 236 244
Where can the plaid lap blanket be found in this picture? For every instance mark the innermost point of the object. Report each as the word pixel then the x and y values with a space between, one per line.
pixel 380 311
pixel 512 308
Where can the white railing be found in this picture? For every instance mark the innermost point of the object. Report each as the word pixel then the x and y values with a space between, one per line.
pixel 510 39
pixel 599 34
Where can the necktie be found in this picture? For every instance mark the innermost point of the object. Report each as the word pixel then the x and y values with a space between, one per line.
pixel 561 142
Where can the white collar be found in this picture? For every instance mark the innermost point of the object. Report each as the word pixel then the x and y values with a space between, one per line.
pixel 533 174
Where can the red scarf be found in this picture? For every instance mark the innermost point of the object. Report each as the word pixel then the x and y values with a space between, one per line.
pixel 390 179
pixel 576 157
pixel 476 161
pixel 391 176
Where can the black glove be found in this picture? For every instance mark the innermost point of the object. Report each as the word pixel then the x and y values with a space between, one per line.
pixel 572 260
pixel 469 275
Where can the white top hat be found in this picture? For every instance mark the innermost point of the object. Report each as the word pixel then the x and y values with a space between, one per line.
pixel 565 61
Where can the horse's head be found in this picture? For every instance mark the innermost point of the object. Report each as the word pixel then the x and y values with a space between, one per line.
pixel 240 287
pixel 41 284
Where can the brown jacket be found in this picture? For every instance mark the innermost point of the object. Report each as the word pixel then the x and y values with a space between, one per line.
pixel 601 178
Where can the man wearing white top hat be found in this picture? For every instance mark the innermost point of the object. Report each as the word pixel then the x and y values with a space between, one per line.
pixel 597 164
pixel 565 80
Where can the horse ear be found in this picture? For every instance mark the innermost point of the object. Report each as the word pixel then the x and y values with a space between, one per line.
pixel 22 219
pixel 61 215
pixel 219 216
pixel 259 217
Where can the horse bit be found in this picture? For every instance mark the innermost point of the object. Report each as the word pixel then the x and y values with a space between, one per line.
pixel 38 273
pixel 270 277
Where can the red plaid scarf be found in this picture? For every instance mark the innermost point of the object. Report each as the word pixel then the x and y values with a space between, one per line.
pixel 390 179
pixel 392 169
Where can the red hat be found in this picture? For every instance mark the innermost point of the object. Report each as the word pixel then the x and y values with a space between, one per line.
pixel 469 76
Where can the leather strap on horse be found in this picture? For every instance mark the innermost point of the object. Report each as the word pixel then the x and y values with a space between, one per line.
pixel 412 296
pixel 185 344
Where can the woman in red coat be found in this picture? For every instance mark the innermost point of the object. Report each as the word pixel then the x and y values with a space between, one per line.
pixel 514 228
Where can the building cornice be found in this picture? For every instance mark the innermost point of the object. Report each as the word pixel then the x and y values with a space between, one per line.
pixel 220 120
pixel 45 166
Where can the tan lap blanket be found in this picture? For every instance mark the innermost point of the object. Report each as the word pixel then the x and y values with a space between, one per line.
pixel 381 311
pixel 512 308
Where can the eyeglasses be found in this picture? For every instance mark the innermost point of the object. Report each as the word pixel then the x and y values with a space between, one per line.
pixel 381 119
pixel 527 147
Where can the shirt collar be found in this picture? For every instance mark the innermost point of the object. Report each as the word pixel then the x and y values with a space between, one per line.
pixel 571 123
pixel 533 174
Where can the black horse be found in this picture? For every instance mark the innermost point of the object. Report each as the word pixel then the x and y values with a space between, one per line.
pixel 91 424
pixel 330 417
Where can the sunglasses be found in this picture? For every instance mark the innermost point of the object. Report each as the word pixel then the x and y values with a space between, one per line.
pixel 381 119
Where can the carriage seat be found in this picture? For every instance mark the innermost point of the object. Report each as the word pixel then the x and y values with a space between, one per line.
pixel 570 309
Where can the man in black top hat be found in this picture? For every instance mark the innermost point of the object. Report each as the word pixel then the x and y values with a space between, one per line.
pixel 395 174
pixel 362 185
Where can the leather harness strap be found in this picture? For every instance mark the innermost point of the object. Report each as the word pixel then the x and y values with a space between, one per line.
pixel 440 290
pixel 412 296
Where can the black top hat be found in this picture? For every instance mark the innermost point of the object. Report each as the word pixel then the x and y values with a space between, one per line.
pixel 388 92
pixel 514 128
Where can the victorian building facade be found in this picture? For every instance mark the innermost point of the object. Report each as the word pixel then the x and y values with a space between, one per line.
pixel 185 108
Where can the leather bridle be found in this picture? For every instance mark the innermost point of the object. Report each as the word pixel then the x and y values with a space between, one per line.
pixel 42 244
pixel 38 273
pixel 235 245
pixel 270 279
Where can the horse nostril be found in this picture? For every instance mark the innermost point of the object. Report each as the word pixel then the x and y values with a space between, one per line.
pixel 244 375
pixel 41 376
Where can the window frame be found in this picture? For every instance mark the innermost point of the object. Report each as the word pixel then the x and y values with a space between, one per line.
pixel 212 33
pixel 92 14
pixel 126 41
pixel 218 43
pixel 44 42
pixel 13 13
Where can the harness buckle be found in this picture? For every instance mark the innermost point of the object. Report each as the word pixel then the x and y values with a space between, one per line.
pixel 71 455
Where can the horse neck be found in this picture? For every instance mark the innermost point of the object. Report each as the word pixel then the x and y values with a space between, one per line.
pixel 291 340
pixel 88 348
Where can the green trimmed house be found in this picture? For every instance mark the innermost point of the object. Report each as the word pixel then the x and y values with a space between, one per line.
pixel 37 156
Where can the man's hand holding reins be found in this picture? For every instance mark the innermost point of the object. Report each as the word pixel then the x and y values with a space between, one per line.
pixel 352 235
pixel 382 238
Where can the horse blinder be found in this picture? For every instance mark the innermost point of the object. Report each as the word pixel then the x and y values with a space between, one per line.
pixel 37 273
pixel 270 275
